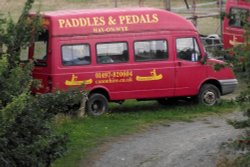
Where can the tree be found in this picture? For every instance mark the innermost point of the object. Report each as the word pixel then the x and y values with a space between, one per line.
pixel 26 134
pixel 243 143
pixel 240 57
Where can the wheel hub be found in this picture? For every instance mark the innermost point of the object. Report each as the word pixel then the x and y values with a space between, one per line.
pixel 209 97
pixel 95 106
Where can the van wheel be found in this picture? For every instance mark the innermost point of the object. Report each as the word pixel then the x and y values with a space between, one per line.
pixel 97 104
pixel 209 95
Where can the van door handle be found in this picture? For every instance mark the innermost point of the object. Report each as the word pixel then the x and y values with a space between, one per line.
pixel 179 63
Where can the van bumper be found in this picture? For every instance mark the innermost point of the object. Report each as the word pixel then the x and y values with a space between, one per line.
pixel 228 85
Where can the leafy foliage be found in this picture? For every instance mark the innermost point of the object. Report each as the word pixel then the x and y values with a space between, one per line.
pixel 27 139
pixel 241 54
pixel 26 134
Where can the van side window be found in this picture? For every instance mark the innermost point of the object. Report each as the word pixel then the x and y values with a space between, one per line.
pixel 78 54
pixel 150 50
pixel 238 17
pixel 109 53
pixel 187 49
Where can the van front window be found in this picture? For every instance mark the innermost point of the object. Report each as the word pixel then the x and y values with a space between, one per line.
pixel 238 17
pixel 40 49
pixel 187 49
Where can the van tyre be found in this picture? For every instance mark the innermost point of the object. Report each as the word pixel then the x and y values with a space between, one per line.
pixel 209 95
pixel 97 104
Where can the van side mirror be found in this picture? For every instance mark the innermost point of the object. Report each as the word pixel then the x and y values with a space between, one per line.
pixel 204 59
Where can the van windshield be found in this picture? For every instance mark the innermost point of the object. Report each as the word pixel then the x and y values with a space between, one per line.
pixel 238 17
pixel 40 49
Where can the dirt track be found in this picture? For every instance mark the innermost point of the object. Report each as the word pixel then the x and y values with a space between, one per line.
pixel 179 144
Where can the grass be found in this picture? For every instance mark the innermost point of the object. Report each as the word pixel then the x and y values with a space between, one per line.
pixel 86 134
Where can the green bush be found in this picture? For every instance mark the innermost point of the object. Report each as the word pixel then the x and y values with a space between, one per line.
pixel 242 53
pixel 26 134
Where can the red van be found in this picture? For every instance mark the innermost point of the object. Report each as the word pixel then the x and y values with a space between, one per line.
pixel 233 29
pixel 121 54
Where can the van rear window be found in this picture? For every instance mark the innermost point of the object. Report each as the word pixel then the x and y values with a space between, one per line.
pixel 40 49
pixel 109 53
pixel 78 54
pixel 150 50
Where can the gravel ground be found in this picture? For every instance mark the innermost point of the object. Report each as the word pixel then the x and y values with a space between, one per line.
pixel 180 144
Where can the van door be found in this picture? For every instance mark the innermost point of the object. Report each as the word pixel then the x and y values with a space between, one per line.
pixel 149 73
pixel 40 53
pixel 190 72
pixel 153 68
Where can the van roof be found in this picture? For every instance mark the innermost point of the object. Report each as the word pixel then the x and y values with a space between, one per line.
pixel 238 2
pixel 118 20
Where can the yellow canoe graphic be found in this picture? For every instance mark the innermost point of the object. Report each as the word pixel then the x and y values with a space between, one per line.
pixel 153 77
pixel 234 42
pixel 74 82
